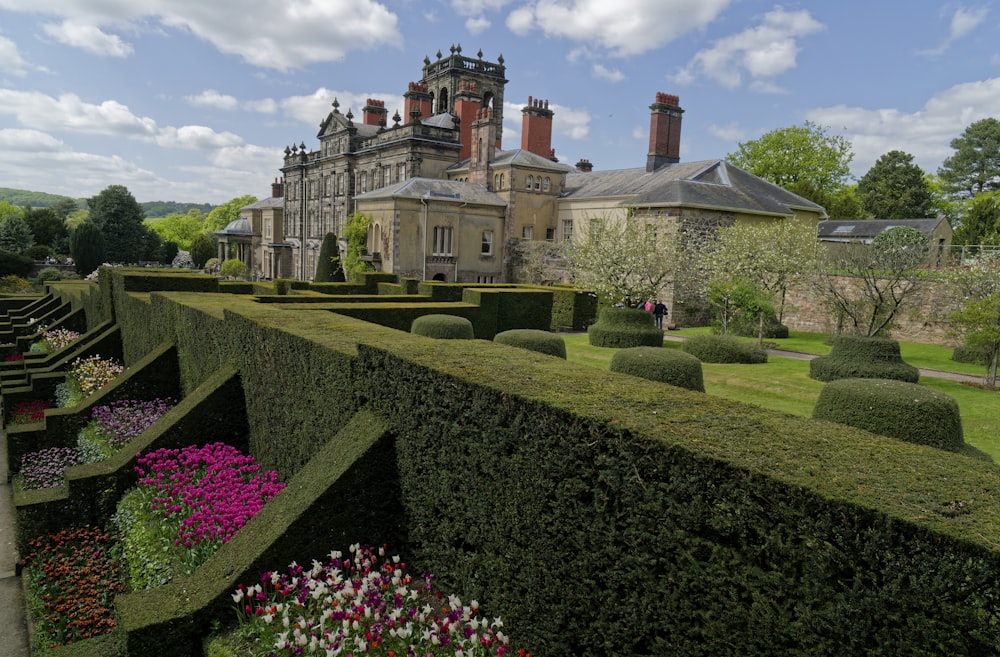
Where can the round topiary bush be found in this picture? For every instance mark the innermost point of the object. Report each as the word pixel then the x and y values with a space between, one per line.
pixel 658 364
pixel 443 327
pixel 621 328
pixel 892 408
pixel 967 354
pixel 859 357
pixel 543 342
pixel 724 349
pixel 773 329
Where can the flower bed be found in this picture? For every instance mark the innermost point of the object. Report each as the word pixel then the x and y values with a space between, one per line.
pixel 358 606
pixel 53 341
pixel 45 468
pixel 115 425
pixel 85 377
pixel 187 504
pixel 29 412
pixel 73 577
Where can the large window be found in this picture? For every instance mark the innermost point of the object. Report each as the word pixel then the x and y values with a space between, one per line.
pixel 527 232
pixel 567 230
pixel 529 182
pixel 442 241
pixel 487 248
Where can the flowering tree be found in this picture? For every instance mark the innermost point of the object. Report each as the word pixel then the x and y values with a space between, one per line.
pixel 621 259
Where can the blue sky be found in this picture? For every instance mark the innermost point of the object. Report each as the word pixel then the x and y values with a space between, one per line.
pixel 195 100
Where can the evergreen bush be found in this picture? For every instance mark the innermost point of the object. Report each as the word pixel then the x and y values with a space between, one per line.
pixel 861 357
pixel 724 349
pixel 49 274
pixel 750 328
pixel 543 342
pixel 620 328
pixel 966 354
pixel 664 365
pixel 443 327
pixel 281 286
pixel 897 409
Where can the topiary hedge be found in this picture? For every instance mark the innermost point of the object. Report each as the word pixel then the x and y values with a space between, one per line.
pixel 543 342
pixel 860 357
pixel 773 329
pixel 443 327
pixel 891 408
pixel 724 349
pixel 620 328
pixel 966 354
pixel 664 365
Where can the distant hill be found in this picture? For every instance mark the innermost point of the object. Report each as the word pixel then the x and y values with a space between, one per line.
pixel 153 209
pixel 36 199
pixel 159 209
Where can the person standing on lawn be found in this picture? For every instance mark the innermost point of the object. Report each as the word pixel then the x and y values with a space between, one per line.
pixel 659 310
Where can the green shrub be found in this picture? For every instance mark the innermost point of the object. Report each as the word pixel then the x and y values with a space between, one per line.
pixel 664 365
pixel 443 327
pixel 724 349
pixel 859 357
pixel 621 328
pixel 750 328
pixel 896 409
pixel 966 354
pixel 49 274
pixel 543 342
pixel 281 286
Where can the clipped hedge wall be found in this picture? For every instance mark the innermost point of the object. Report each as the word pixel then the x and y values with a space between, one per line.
pixel 624 327
pixel 897 409
pixel 443 327
pixel 664 365
pixel 572 310
pixel 543 342
pixel 724 349
pixel 858 357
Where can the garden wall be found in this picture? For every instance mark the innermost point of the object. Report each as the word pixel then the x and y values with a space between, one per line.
pixel 598 515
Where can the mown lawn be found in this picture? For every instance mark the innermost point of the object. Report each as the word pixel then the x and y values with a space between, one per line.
pixel 783 384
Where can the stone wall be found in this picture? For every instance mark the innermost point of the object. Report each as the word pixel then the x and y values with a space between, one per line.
pixel 923 319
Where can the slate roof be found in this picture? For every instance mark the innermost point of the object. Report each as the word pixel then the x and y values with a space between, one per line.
pixel 844 230
pixel 438 190
pixel 263 204
pixel 712 184
pixel 522 158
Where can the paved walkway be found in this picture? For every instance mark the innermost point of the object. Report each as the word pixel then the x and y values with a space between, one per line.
pixel 13 627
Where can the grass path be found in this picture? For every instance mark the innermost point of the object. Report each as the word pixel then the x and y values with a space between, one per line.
pixel 783 384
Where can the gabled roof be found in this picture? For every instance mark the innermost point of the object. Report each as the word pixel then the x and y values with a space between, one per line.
pixel 519 157
pixel 265 203
pixel 867 229
pixel 437 190
pixel 706 184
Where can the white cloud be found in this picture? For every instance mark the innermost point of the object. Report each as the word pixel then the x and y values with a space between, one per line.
pixel 11 60
pixel 623 28
pixel 32 141
pixel 212 98
pixel 762 52
pixel 477 25
pixel 68 112
pixel 728 132
pixel 602 72
pixel 477 7
pixel 314 108
pixel 925 134
pixel 265 33
pixel 962 22
pixel 196 137
pixel 90 38
pixel 573 123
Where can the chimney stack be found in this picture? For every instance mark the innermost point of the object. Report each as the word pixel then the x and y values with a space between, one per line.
pixel 483 148
pixel 536 128
pixel 374 112
pixel 584 166
pixel 278 188
pixel 417 98
pixel 664 132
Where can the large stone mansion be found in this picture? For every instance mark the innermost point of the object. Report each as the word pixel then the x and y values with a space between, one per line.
pixel 448 202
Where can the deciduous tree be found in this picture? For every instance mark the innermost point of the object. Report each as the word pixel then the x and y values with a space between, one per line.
pixel 229 211
pixel 895 188
pixel 805 160
pixel 47 227
pixel 867 285
pixel 356 234
pixel 976 289
pixel 179 228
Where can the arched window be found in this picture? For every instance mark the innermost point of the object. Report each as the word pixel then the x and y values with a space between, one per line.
pixel 538 183
pixel 529 182
pixel 443 101
pixel 502 181
pixel 545 184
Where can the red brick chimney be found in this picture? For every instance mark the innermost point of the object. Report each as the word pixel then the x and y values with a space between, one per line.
pixel 584 166
pixel 467 105
pixel 374 112
pixel 664 132
pixel 278 188
pixel 417 97
pixel 536 128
